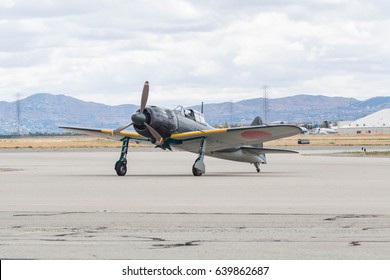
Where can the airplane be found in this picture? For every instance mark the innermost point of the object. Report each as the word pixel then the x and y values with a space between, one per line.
pixel 328 129
pixel 186 129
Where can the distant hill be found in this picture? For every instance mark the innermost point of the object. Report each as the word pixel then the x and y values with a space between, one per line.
pixel 380 102
pixel 44 112
pixel 293 109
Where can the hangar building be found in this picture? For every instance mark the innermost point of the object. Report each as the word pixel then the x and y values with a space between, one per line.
pixel 376 123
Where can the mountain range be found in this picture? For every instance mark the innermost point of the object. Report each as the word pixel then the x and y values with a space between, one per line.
pixel 43 112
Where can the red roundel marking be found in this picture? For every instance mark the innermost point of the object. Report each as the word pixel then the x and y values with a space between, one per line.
pixel 255 134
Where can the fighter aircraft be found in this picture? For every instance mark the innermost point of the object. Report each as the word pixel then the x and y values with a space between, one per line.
pixel 186 129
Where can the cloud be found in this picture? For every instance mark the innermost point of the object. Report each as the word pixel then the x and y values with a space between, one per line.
pixel 193 51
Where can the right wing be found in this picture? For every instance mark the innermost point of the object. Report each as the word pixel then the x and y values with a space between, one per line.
pixel 107 133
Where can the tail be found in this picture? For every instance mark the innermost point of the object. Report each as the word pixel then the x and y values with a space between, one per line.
pixel 258 121
pixel 327 124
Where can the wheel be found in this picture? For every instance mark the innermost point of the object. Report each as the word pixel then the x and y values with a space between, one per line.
pixel 120 168
pixel 258 170
pixel 195 171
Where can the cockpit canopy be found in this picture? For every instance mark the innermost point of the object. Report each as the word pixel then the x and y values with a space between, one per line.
pixel 191 114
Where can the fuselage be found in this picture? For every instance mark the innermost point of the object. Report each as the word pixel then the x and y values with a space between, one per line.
pixel 167 122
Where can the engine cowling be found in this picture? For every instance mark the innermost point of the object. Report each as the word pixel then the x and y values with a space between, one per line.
pixel 159 119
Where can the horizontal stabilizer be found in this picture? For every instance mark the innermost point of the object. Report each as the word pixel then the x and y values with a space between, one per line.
pixel 256 150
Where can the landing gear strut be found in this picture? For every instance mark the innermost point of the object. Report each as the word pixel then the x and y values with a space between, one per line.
pixel 199 168
pixel 121 164
pixel 257 165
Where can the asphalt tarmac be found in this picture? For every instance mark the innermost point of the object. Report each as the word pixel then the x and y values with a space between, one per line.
pixel 70 204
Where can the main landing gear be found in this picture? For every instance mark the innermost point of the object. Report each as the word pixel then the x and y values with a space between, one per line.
pixel 121 164
pixel 199 168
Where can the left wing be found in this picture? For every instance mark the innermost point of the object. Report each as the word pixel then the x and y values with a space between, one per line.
pixel 220 139
pixel 107 133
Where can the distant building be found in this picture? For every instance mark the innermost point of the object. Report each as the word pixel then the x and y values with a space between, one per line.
pixel 376 123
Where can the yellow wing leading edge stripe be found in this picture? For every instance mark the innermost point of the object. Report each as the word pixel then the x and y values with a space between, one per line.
pixel 197 133
pixel 124 133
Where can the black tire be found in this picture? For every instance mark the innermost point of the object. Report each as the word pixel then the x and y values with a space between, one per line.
pixel 120 168
pixel 195 171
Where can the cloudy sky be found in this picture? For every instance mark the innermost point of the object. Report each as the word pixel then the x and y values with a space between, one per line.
pixel 193 51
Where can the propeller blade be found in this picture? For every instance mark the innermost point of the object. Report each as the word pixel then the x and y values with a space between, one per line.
pixel 155 134
pixel 144 97
pixel 144 100
pixel 119 129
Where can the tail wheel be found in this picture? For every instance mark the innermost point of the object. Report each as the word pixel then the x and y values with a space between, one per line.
pixel 257 166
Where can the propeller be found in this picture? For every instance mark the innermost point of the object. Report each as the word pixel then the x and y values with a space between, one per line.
pixel 144 100
pixel 119 129
pixel 156 135
pixel 144 97
pixel 139 118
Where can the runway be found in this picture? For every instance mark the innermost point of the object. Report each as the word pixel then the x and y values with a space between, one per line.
pixel 71 205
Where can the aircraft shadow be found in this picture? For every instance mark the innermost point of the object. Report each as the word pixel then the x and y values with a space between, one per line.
pixel 211 174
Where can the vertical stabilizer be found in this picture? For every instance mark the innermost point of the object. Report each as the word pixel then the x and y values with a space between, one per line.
pixel 257 121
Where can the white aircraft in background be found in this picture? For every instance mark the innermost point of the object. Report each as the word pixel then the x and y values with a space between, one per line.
pixel 328 129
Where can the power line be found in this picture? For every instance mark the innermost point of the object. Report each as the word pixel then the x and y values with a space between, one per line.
pixel 266 93
pixel 231 112
pixel 18 114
